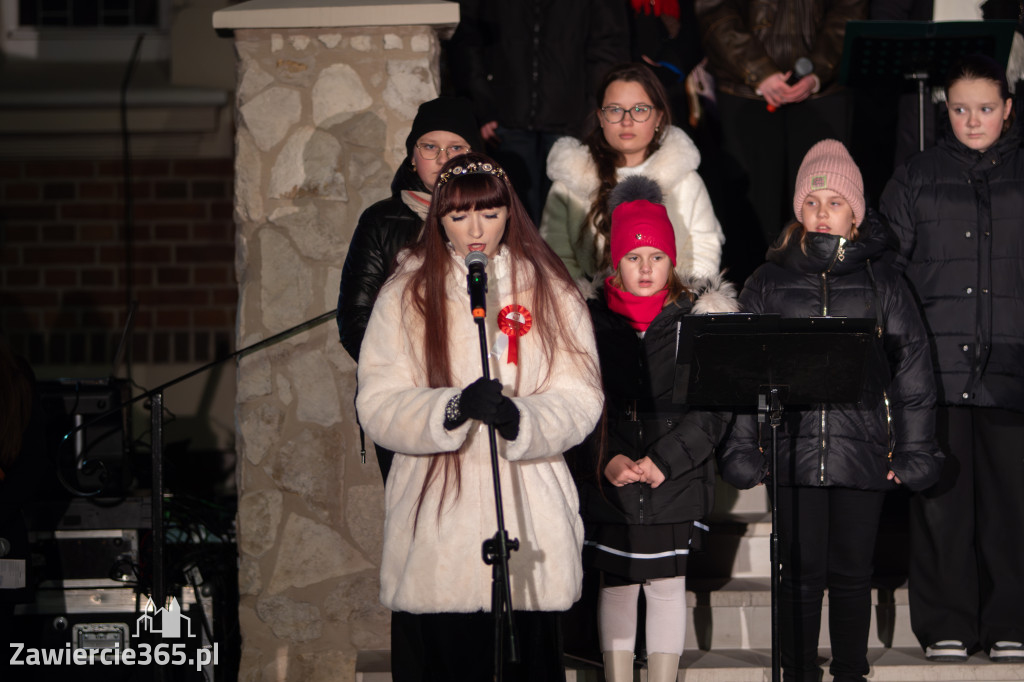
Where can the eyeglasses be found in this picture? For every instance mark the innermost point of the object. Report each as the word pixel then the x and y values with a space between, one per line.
pixel 432 151
pixel 638 112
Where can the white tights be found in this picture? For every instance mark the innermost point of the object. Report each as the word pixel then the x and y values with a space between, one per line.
pixel 666 616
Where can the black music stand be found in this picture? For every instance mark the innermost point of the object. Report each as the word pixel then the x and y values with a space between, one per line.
pixel 739 360
pixel 876 52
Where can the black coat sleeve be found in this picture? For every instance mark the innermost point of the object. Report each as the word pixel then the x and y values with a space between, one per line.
pixel 364 273
pixel 916 457
pixel 689 443
pixel 897 205
pixel 741 462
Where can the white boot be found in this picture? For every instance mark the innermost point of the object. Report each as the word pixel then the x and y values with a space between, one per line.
pixel 662 667
pixel 618 666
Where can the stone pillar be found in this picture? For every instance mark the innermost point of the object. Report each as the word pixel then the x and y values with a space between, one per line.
pixel 323 108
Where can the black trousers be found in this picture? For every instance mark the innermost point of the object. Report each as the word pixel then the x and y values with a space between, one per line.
pixel 967 533
pixel 762 153
pixel 826 540
pixel 442 647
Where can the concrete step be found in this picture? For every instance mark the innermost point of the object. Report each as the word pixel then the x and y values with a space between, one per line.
pixel 754 665
pixel 736 614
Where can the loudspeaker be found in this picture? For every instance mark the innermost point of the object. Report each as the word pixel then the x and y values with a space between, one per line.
pixel 87 434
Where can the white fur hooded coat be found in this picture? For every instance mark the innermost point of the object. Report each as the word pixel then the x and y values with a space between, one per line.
pixel 699 236
pixel 436 567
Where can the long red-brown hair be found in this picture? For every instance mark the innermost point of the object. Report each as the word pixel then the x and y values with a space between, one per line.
pixel 532 262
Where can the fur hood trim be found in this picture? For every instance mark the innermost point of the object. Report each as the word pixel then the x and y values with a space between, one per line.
pixel 713 294
pixel 571 164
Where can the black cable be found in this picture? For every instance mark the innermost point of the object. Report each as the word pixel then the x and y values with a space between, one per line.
pixel 129 227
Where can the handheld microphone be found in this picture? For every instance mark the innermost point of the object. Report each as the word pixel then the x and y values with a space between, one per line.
pixel 802 67
pixel 476 282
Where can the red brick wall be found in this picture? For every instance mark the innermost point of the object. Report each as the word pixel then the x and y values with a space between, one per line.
pixel 63 285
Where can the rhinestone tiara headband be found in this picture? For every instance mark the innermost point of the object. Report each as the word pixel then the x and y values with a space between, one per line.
pixel 470 168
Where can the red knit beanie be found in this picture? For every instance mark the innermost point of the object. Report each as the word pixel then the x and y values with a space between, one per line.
pixel 828 166
pixel 641 223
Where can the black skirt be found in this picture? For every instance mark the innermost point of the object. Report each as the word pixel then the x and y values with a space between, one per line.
pixel 629 554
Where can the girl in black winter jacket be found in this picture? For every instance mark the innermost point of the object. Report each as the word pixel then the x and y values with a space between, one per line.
pixel 958 210
pixel 651 473
pixel 835 461
pixel 443 128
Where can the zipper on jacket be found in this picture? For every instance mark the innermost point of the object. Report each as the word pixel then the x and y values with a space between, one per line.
pixel 824 446
pixel 640 430
pixel 889 439
pixel 839 256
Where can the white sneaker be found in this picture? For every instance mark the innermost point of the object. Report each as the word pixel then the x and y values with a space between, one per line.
pixel 947 651
pixel 1007 652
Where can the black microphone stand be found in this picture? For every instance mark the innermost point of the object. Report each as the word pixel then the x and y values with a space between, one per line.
pixel 496 550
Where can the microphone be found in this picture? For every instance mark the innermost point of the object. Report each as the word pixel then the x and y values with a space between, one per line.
pixel 802 67
pixel 476 282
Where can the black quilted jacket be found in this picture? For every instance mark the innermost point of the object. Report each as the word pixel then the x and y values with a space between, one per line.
pixel 641 420
pixel 845 445
pixel 384 229
pixel 959 216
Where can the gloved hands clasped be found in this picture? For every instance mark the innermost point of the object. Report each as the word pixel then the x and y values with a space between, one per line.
pixel 484 400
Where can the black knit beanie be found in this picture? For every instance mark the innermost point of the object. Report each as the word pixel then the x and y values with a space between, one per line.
pixel 453 114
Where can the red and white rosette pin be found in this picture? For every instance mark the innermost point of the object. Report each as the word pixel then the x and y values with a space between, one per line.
pixel 514 321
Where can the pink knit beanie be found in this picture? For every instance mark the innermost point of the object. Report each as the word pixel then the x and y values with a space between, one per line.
pixel 828 166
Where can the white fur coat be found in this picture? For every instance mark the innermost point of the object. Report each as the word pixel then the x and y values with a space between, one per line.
pixel 437 566
pixel 699 236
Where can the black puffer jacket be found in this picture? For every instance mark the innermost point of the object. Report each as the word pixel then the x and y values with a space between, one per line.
pixel 845 445
pixel 536 64
pixel 641 420
pixel 959 216
pixel 384 229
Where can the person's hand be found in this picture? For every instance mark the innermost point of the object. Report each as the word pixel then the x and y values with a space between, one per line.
pixel 774 89
pixel 481 399
pixel 506 419
pixel 891 476
pixel 804 88
pixel 652 474
pixel 621 470
pixel 488 131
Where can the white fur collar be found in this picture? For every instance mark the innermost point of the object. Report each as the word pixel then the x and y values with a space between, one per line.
pixel 570 163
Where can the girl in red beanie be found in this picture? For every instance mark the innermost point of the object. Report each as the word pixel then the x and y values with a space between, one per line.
pixel 649 480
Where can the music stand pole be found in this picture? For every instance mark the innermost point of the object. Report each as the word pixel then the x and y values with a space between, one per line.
pixel 774 409
pixel 157 500
pixel 496 550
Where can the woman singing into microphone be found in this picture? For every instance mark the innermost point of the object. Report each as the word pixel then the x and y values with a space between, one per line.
pixel 421 394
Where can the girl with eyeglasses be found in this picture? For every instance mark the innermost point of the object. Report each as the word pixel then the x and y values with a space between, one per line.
pixel 631 133
pixel 443 129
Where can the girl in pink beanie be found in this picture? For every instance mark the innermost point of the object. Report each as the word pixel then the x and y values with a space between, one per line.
pixel 646 483
pixel 836 461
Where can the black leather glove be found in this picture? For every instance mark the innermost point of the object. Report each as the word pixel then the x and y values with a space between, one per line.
pixel 506 420
pixel 479 400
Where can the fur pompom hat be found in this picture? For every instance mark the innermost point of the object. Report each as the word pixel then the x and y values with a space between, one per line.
pixel 639 219
pixel 828 166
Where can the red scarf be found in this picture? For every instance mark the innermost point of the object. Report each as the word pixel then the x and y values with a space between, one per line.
pixel 657 7
pixel 639 311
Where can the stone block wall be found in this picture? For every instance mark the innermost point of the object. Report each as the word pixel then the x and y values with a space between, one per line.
pixel 322 120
